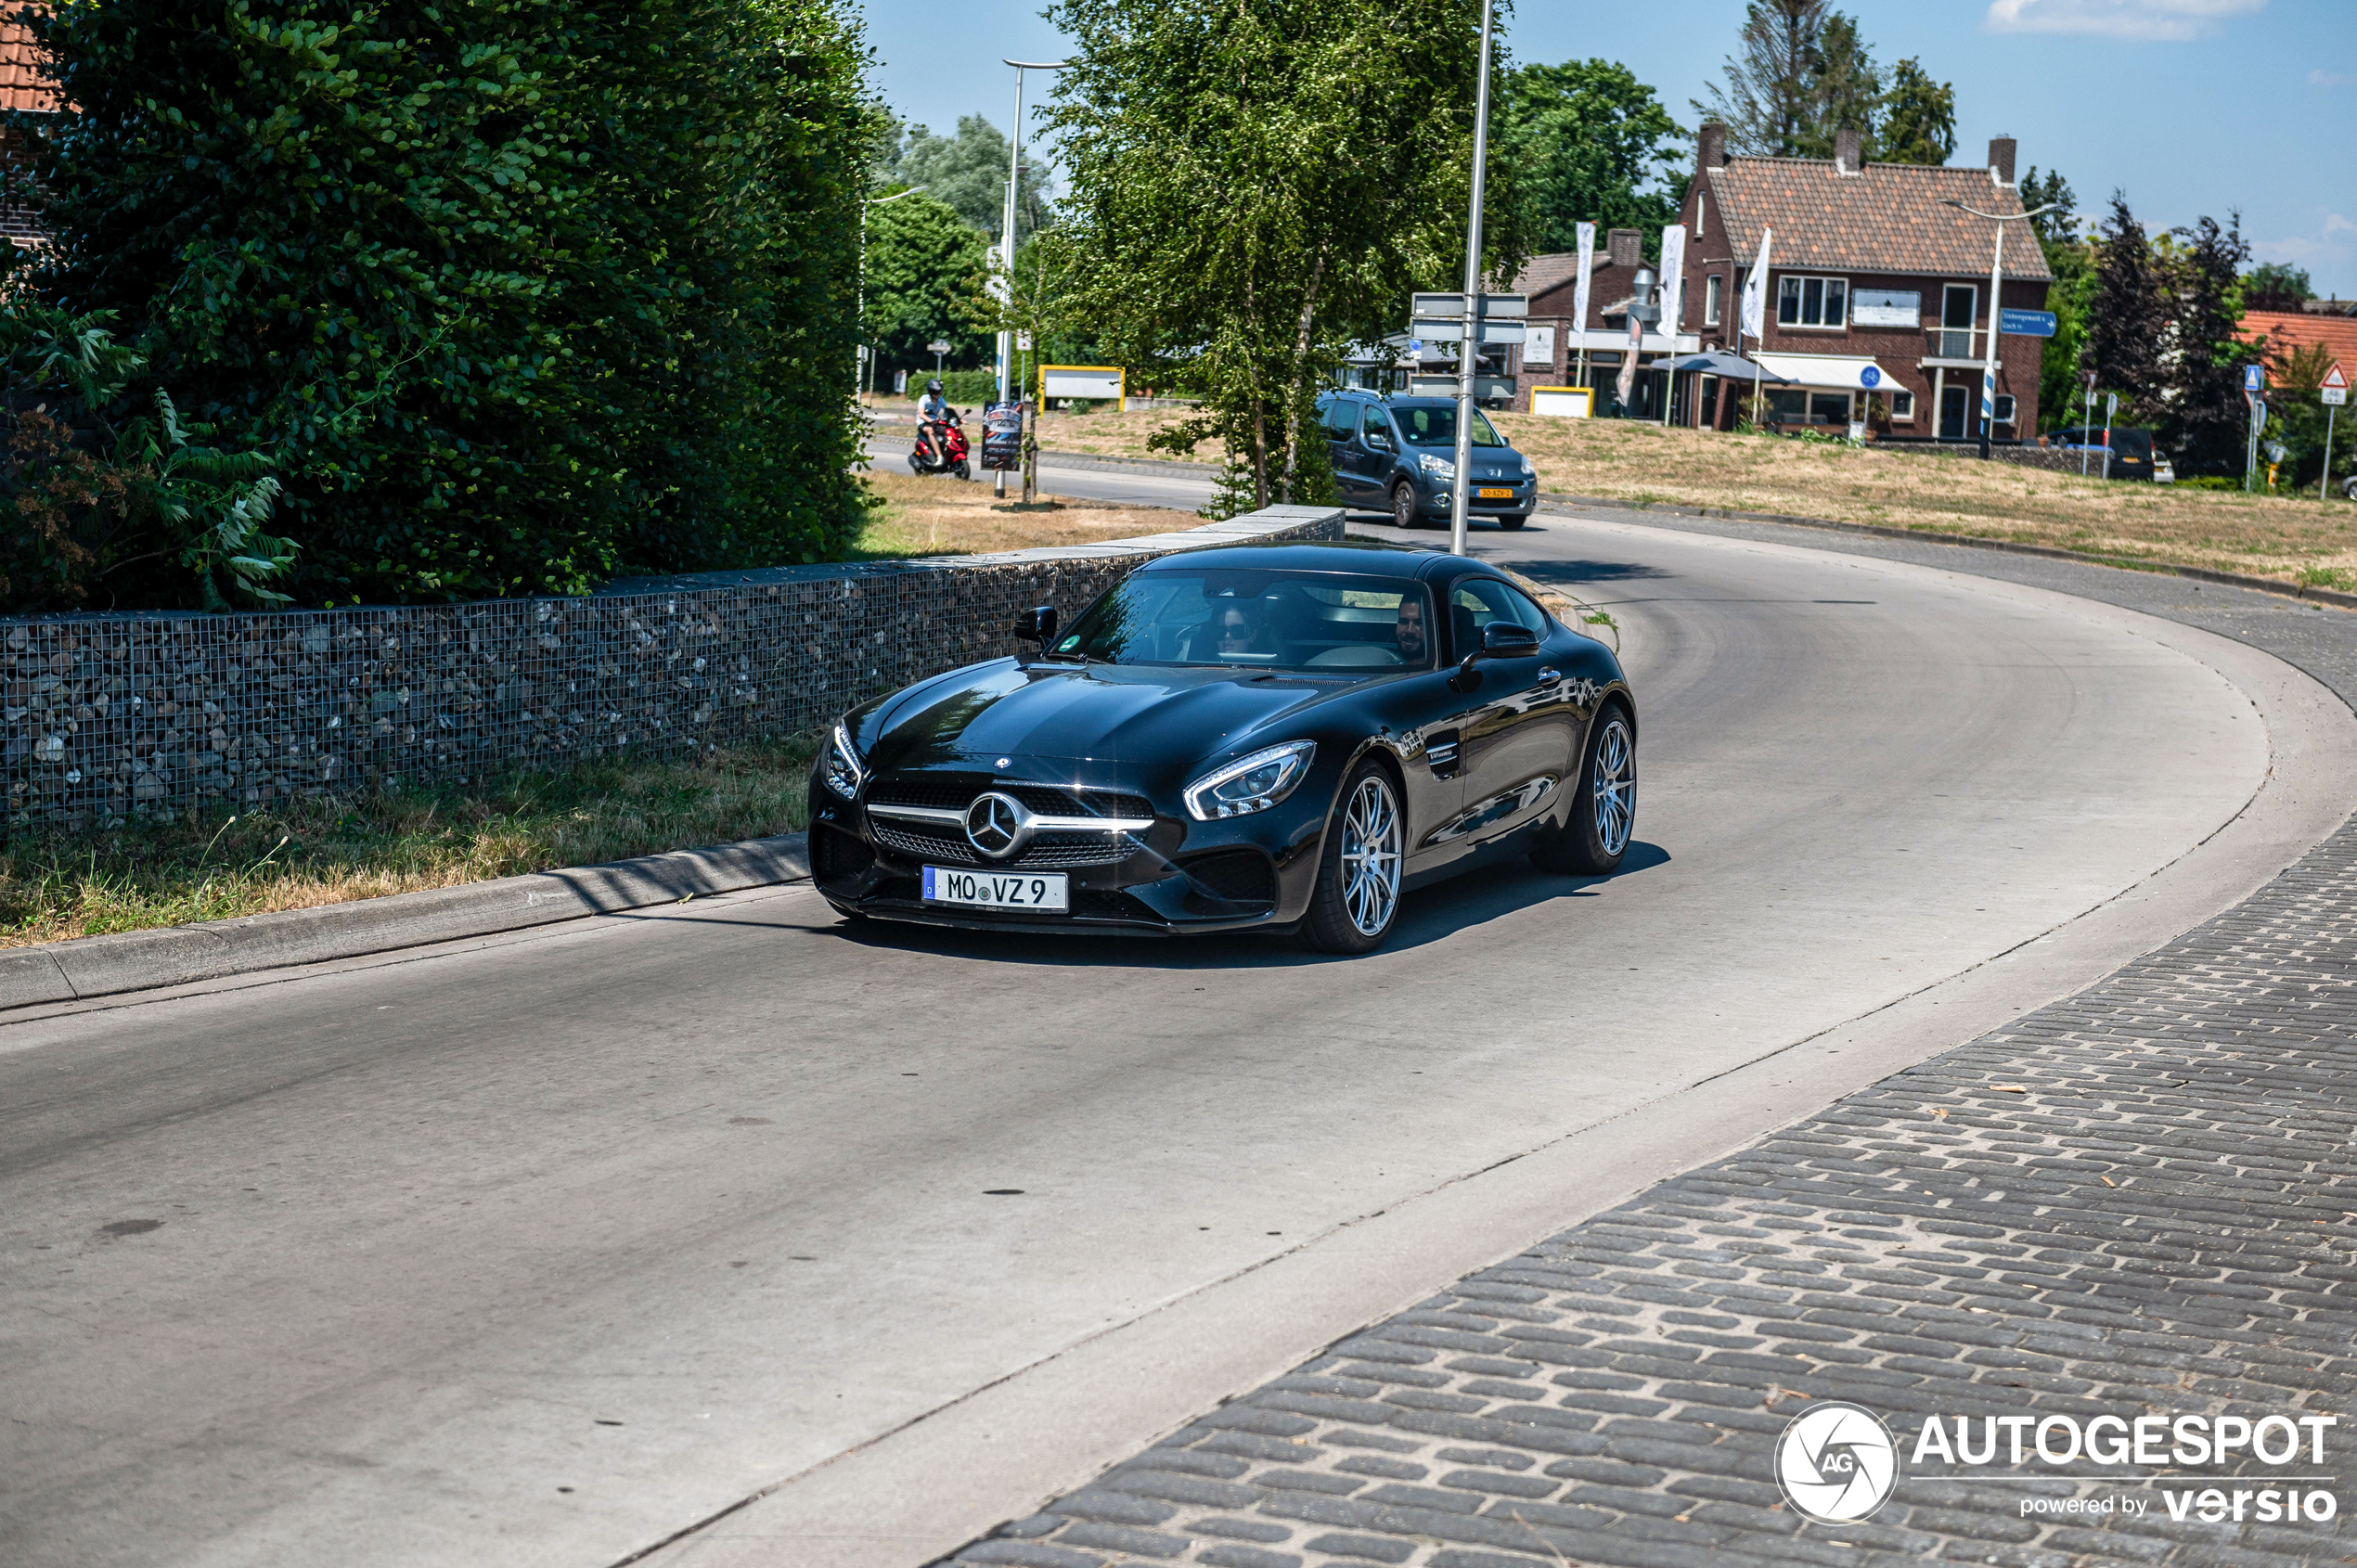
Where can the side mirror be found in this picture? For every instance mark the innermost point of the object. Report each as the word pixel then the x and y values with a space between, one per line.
pixel 1038 624
pixel 1377 441
pixel 1499 640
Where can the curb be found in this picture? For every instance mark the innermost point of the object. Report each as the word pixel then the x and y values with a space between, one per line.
pixel 141 960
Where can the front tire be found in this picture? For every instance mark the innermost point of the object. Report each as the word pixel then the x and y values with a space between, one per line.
pixel 1604 808
pixel 1403 506
pixel 1356 902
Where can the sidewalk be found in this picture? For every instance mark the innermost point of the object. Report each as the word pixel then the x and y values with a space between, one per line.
pixel 2138 1202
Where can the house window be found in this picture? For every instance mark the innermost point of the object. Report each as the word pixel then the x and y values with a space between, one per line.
pixel 1702 217
pixel 1812 301
pixel 1711 291
pixel 1902 405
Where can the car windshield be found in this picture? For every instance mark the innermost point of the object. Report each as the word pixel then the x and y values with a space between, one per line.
pixel 1257 620
pixel 1437 427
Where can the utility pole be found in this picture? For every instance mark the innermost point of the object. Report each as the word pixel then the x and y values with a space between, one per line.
pixel 1459 487
pixel 1996 281
pixel 1004 283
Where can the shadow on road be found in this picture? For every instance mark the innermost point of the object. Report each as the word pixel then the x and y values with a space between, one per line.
pixel 1472 899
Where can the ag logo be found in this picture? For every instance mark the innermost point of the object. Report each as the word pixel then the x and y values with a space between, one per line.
pixel 1836 1463
pixel 996 825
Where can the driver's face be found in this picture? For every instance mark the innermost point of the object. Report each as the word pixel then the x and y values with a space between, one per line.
pixel 1235 632
pixel 1410 629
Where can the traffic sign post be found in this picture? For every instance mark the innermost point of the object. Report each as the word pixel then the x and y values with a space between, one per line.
pixel 2254 382
pixel 2026 323
pixel 2334 392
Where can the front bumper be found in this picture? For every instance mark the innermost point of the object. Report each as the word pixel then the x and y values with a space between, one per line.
pixel 1180 876
pixel 1434 494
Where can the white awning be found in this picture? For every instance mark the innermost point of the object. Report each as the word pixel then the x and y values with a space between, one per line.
pixel 1845 371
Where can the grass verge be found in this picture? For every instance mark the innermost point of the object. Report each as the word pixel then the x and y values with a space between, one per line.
pixel 338 848
pixel 934 514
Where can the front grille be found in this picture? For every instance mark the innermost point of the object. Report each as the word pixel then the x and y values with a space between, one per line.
pixel 948 846
pixel 955 791
pixel 1239 876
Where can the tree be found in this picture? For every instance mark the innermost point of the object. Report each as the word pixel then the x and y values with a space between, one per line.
pixel 2204 419
pixel 968 171
pixel 924 261
pixel 1592 145
pixel 1845 90
pixel 1253 187
pixel 1768 102
pixel 2128 313
pixel 516 295
pixel 2059 227
pixel 1918 123
pixel 2276 286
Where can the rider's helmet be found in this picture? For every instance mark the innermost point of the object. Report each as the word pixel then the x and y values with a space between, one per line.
pixel 933 387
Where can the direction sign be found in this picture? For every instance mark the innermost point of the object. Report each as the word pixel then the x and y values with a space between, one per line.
pixel 2254 377
pixel 2336 386
pixel 1445 332
pixel 1425 307
pixel 2026 323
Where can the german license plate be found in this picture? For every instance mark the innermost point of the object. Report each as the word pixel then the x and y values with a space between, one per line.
pixel 997 890
pixel 1491 492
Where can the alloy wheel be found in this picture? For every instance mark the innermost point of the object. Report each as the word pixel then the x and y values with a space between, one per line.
pixel 1403 507
pixel 1614 787
pixel 1370 856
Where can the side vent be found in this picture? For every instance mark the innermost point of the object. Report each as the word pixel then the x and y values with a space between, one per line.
pixel 1440 752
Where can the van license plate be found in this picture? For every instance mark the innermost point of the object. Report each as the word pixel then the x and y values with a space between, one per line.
pixel 1490 493
pixel 997 890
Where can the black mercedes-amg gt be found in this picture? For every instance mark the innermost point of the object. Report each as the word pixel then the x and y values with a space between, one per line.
pixel 1285 736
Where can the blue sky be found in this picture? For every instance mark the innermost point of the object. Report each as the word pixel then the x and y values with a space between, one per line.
pixel 2191 106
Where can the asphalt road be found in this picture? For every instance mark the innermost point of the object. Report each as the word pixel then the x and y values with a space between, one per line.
pixel 542 1250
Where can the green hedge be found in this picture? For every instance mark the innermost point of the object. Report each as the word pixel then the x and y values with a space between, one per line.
pixel 962 387
pixel 516 295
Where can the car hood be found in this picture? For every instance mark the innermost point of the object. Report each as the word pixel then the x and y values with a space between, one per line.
pixel 1102 714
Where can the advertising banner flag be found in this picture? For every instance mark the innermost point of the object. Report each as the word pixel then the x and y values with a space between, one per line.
pixel 1673 280
pixel 1579 289
pixel 1753 321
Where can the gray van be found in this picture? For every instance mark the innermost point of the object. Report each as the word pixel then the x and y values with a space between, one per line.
pixel 1399 454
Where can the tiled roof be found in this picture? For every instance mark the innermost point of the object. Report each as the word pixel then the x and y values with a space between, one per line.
pixel 1884 218
pixel 2286 330
pixel 1551 271
pixel 24 83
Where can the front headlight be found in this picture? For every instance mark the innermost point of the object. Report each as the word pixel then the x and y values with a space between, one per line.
pixel 1250 784
pixel 1439 467
pixel 842 771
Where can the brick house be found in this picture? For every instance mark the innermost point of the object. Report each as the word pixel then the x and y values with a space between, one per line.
pixel 1875 291
pixel 24 86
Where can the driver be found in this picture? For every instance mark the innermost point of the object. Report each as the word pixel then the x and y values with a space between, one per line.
pixel 930 411
pixel 1410 629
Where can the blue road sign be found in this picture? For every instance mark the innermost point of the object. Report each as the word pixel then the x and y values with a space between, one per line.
pixel 1869 377
pixel 2254 377
pixel 2026 323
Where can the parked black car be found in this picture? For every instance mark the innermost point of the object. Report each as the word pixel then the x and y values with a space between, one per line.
pixel 1399 454
pixel 1286 737
pixel 2132 450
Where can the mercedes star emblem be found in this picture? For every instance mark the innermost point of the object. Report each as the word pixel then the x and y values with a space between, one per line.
pixel 996 825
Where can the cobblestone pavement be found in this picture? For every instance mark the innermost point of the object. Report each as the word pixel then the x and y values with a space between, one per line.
pixel 2139 1200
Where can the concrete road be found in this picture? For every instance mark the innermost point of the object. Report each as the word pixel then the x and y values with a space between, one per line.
pixel 544 1250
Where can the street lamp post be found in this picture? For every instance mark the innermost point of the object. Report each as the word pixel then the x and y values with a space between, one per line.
pixel 1996 280
pixel 861 319
pixel 1007 242
pixel 1459 489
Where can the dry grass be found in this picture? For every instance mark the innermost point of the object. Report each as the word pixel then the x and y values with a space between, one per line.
pixel 938 515
pixel 333 850
pixel 2286 537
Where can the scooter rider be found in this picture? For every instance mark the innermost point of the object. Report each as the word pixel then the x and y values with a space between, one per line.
pixel 930 409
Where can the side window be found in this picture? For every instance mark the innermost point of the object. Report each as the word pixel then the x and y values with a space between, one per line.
pixel 1342 417
pixel 1476 601
pixel 1375 423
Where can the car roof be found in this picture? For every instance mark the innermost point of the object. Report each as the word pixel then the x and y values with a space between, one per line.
pixel 1356 557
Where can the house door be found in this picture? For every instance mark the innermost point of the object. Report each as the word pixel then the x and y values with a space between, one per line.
pixel 1953 400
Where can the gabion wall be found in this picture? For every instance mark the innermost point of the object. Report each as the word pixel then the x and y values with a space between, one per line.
pixel 108 716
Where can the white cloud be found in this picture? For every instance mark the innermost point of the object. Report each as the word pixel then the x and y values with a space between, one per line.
pixel 2170 20
pixel 2331 248
pixel 2333 78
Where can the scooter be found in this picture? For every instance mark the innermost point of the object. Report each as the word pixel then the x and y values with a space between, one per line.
pixel 948 455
